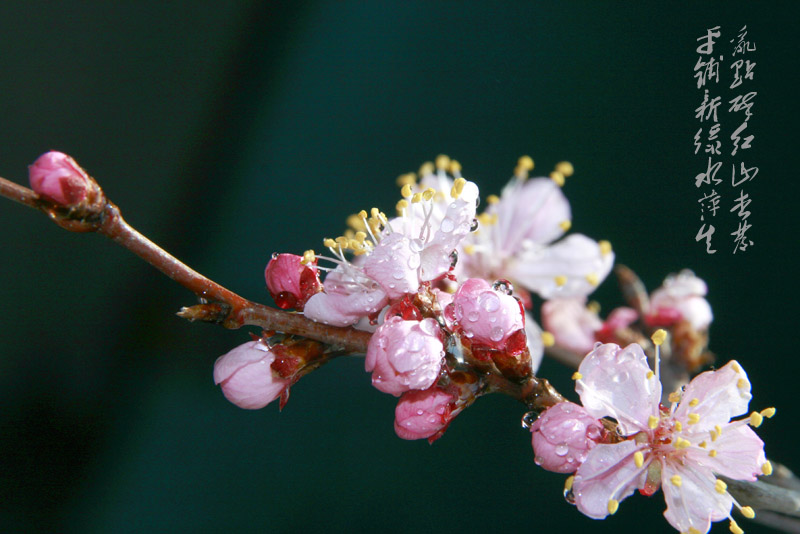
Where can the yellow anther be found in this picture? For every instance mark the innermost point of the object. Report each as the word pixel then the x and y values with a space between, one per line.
pixel 486 219
pixel 308 257
pixel 718 429
pixel 355 222
pixel 693 530
pixel 720 486
pixel 694 418
pixel 652 422
pixel 735 367
pixel 676 480
pixel 681 443
pixel 401 205
pixel 568 482
pixel 735 528
pixel 526 163
pixel 360 237
pixel 565 168
pixel 766 468
pixel 605 247
pixel 768 412
pixel 442 161
pixel 374 212
pixel 592 279
pixel 565 225
pixel 678 426
pixel 560 280
pixel 712 453
pixel 362 214
pixel 694 402
pixel 426 168
pixel 428 193
pixel 492 199
pixel 417 197
pixel 458 187
pixel 613 506
pixel 469 249
pixel 593 306
pixel 349 233
pixel 747 512
pixel 558 178
pixel 741 383
pixel 638 459
pixel 659 336
pixel 548 339
pixel 756 419
pixel 328 242
pixel 702 444
pixel 675 396
pixel 576 375
pixel 650 374
pixel 408 178
pixel 406 191
pixel 438 197
pixel 342 241
pixel 454 167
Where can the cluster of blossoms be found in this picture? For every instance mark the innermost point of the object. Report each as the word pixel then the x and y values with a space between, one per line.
pixel 682 449
pixel 433 284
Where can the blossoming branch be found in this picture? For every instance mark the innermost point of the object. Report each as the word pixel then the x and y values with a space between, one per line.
pixel 446 304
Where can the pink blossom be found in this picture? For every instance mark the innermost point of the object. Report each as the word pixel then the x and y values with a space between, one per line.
pixel 246 376
pixel 57 177
pixel 422 414
pixel 349 296
pixel 681 296
pixel 563 435
pixel 405 355
pixel 485 315
pixel 572 324
pixel 291 282
pixel 619 319
pixel 681 449
pixel 517 241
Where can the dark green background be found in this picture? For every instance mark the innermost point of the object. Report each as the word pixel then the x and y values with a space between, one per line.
pixel 227 131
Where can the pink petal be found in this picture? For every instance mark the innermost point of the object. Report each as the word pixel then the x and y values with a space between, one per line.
pixel 695 503
pixel 740 453
pixel 562 437
pixel 393 264
pixel 345 300
pixel 57 177
pixel 533 334
pixel 615 383
pixel 577 258
pixel 246 376
pixel 486 316
pixel 571 323
pixel 421 414
pixel 609 472
pixel 530 211
pixel 721 395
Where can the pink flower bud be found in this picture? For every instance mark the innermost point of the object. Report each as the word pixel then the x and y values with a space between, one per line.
pixel 572 324
pixel 563 435
pixel 423 414
pixel 290 282
pixel 486 316
pixel 404 355
pixel 246 377
pixel 681 296
pixel 57 177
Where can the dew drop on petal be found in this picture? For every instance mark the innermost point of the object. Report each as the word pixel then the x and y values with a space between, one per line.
pixel 503 286
pixel 473 316
pixel 420 412
pixel 398 275
pixel 496 334
pixel 489 301
pixel 274 255
pixel 447 225
pixel 561 449
pixel 537 460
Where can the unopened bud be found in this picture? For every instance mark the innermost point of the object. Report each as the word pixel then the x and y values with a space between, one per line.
pixel 57 177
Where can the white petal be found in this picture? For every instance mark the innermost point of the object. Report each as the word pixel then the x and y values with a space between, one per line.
pixel 739 453
pixel 530 211
pixel 615 383
pixel 695 503
pixel 609 472
pixel 576 258
pixel 720 394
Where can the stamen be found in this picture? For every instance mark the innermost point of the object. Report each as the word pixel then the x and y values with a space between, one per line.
pixel 558 178
pixel 613 506
pixel 712 453
pixel 650 374
pixel 593 306
pixel 492 199
pixel 458 187
pixel 565 168
pixel 681 443
pixel 454 168
pixel 329 243
pixel 652 422
pixel 560 280
pixel 576 375
pixel 565 225
pixel 747 512
pixel 638 459
pixel 694 418
pixel 658 338
pixel 766 468
pixel 768 412
pixel 426 168
pixel 735 528
pixel 428 193
pixel 526 163
pixel 568 482
pixel 592 279
pixel 407 179
pixel 693 530
pixel 676 480
pixel 308 257
pixel 442 162
pixel 678 426
pixel 694 402
pixel 469 249
pixel 406 191
pixel 605 247
pixel 702 444
pixel 756 419
pixel 720 486
pixel 675 396
pixel 741 383
pixel 548 339
pixel 735 367
pixel 416 198
pixel 401 206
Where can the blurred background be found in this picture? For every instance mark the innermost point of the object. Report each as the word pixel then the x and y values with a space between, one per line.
pixel 226 131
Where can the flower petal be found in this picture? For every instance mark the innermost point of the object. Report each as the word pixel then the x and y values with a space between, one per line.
pixel 393 264
pixel 716 397
pixel 345 300
pixel 739 453
pixel 618 383
pixel 533 211
pixel 694 503
pixel 609 472
pixel 570 268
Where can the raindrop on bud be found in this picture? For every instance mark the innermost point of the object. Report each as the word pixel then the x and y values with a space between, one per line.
pixel 503 286
pixel 528 419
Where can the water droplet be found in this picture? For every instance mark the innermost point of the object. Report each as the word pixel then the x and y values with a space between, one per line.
pixel 469 335
pixel 447 225
pixel 489 301
pixel 537 460
pixel 433 419
pixel 474 225
pixel 398 275
pixel 382 342
pixel 420 412
pixel 274 255
pixel 593 433
pixel 569 496
pixel 528 419
pixel 503 286
pixel 453 259
pixel 620 377
pixel 561 449
pixel 570 460
pixel 496 334
pixel 416 245
pixel 473 316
